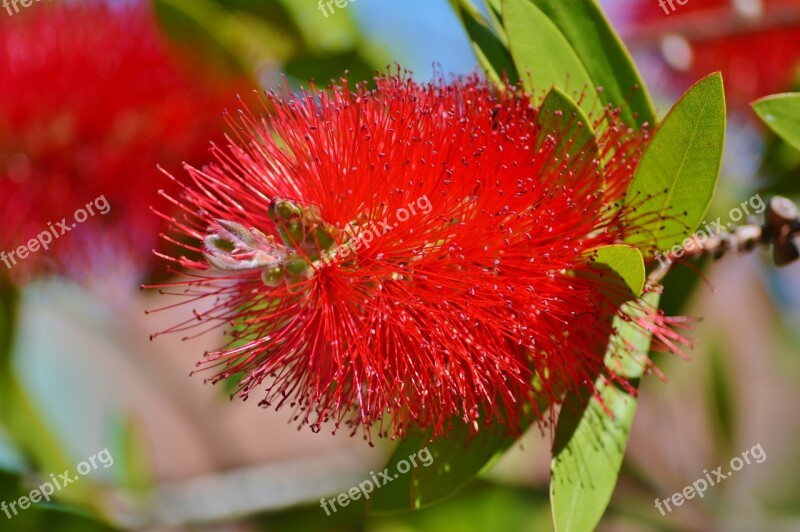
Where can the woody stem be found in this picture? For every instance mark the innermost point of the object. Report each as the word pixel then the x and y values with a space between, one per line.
pixel 781 224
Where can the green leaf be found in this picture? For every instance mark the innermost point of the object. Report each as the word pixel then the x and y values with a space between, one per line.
pixel 334 33
pixel 603 55
pixel 587 457
pixel 327 45
pixel 134 467
pixel 543 56
pixel 489 48
pixel 781 113
pixel 9 300
pixel 495 11
pixel 237 42
pixel 626 262
pixel 454 466
pixel 589 443
pixel 324 68
pixel 245 35
pixel 24 425
pixel 558 112
pixel 676 178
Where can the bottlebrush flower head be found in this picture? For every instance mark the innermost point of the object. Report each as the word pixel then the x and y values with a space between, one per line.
pixel 404 255
pixel 753 43
pixel 92 99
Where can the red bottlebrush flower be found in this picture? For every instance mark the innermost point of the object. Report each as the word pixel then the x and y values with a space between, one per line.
pixel 92 99
pixel 753 43
pixel 404 255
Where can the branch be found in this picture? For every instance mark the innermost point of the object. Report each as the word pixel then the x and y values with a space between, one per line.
pixel 781 224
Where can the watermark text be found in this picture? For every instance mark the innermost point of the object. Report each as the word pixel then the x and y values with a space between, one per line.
pixel 699 486
pixel 45 238
pixel 376 481
pixel 56 483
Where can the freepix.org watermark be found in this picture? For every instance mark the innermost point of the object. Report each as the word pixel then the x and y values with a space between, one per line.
pixel 697 240
pixel 364 235
pixel 699 486
pixel 8 4
pixel 45 238
pixel 663 4
pixel 57 483
pixel 327 5
pixel 381 479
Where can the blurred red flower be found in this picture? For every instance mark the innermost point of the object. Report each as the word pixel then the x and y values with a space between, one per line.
pixel 753 42
pixel 406 254
pixel 92 99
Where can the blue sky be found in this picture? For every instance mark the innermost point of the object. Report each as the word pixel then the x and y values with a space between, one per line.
pixel 418 33
pixel 421 32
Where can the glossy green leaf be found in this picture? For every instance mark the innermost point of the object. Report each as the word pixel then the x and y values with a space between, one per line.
pixel 488 46
pixel 454 466
pixel 626 262
pixel 494 8
pixel 676 178
pixel 589 443
pixel 603 55
pixel 781 113
pixel 558 112
pixel 543 56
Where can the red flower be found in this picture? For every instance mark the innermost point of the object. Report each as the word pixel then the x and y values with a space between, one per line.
pixel 91 100
pixel 406 254
pixel 753 43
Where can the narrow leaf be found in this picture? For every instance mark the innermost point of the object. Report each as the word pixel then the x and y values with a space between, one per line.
pixel 134 471
pixel 9 301
pixel 543 56
pixel 236 41
pixel 678 173
pixel 494 8
pixel 626 262
pixel 603 55
pixel 489 48
pixel 781 113
pixel 334 32
pixel 558 112
pixel 454 466
pixel 590 444
pixel 455 463
pixel 20 416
